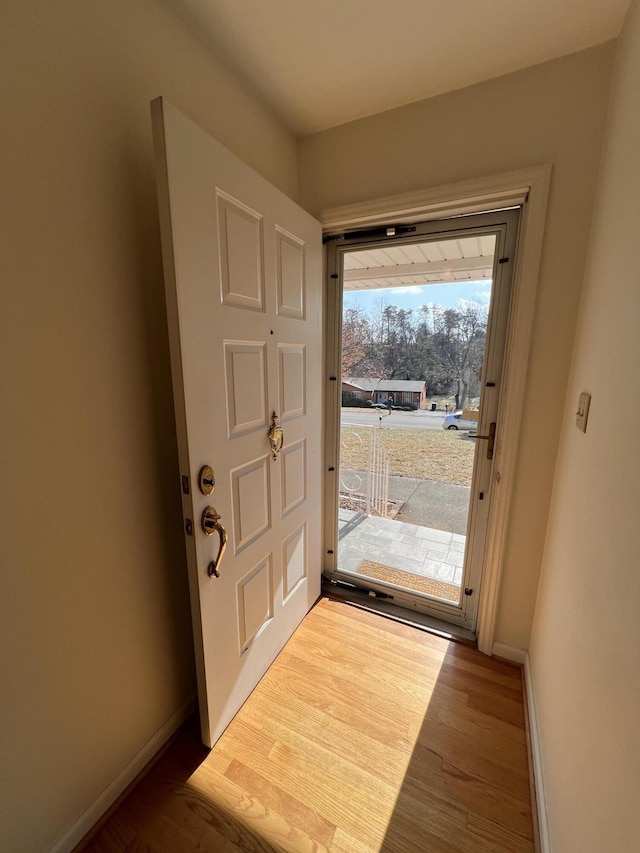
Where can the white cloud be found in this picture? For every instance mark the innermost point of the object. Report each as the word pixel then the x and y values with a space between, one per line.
pixel 482 297
pixel 474 303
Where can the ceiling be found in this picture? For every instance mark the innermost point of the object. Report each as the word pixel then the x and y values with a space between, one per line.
pixel 465 259
pixel 321 63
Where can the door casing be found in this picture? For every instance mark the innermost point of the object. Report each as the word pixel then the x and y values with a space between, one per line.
pixel 527 187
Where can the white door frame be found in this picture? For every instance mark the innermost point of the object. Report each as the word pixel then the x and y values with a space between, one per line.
pixel 530 188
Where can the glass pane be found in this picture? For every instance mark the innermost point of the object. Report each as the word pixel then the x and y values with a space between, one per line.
pixel 414 335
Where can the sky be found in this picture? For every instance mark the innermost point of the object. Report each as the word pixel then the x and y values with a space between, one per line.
pixel 452 295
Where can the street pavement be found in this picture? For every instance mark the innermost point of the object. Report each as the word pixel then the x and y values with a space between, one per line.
pixel 419 419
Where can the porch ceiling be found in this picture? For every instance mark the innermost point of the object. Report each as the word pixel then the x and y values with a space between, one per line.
pixel 467 259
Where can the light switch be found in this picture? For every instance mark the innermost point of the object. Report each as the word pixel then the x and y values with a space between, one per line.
pixel 583 411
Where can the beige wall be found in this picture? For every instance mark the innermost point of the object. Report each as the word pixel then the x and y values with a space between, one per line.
pixel 552 113
pixel 95 644
pixel 585 649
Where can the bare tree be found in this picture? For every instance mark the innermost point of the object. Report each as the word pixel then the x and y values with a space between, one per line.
pixel 356 344
pixel 442 346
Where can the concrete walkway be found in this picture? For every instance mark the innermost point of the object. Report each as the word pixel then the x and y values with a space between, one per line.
pixel 441 506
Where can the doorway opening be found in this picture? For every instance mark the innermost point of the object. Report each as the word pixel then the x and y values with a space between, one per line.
pixel 422 322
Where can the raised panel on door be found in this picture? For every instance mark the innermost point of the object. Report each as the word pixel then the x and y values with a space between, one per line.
pixel 293 472
pixel 246 385
pixel 251 508
pixel 294 560
pixel 240 238
pixel 255 602
pixel 292 380
pixel 290 273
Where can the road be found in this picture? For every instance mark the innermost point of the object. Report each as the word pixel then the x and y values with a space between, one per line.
pixel 395 420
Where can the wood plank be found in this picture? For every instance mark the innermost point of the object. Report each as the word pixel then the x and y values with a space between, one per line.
pixel 345 701
pixel 345 795
pixel 382 760
pixel 408 669
pixel 504 734
pixel 505 708
pixel 365 736
pixel 376 685
pixel 345 843
pixel 497 837
pixel 298 814
pixel 475 757
pixel 470 792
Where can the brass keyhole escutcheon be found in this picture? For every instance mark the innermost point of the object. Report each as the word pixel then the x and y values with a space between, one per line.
pixel 206 480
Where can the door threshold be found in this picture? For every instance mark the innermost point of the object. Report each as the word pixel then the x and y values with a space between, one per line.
pixel 340 591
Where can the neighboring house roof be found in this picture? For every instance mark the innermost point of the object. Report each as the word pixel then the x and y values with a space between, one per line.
pixel 400 385
pixel 385 384
pixel 362 383
pixel 348 386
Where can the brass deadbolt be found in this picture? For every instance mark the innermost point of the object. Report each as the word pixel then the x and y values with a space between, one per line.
pixel 206 480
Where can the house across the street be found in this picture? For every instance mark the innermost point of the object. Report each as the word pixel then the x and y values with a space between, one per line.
pixel 400 392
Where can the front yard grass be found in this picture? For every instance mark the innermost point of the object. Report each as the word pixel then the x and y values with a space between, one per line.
pixel 443 456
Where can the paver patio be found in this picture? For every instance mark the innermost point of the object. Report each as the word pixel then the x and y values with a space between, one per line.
pixel 401 545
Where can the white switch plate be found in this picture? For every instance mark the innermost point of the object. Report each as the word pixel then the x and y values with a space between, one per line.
pixel 583 411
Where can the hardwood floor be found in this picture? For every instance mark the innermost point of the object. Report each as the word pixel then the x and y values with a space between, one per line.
pixel 365 735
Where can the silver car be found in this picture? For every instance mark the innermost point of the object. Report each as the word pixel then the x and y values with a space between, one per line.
pixel 456 421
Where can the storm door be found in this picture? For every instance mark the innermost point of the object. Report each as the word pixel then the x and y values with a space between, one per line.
pixel 419 321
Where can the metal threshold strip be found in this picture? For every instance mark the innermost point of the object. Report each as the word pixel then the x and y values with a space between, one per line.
pixel 342 591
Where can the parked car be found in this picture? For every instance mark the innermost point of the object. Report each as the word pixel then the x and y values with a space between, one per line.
pixel 456 421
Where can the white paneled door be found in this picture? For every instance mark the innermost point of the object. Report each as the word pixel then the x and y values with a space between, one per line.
pixel 244 302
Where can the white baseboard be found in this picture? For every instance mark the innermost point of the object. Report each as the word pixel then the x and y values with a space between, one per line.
pixel 541 803
pixel 103 801
pixel 512 653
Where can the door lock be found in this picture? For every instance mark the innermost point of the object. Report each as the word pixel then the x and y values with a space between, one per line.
pixel 206 480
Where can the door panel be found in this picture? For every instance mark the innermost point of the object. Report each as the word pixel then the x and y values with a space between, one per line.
pixel 246 391
pixel 294 477
pixel 292 384
pixel 290 275
pixel 241 254
pixel 244 306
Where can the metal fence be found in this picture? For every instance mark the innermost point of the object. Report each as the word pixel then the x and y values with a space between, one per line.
pixel 366 492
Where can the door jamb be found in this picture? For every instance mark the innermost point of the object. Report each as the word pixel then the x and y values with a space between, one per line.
pixel 529 188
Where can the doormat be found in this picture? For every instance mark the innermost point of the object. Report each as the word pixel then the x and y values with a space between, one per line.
pixel 407 580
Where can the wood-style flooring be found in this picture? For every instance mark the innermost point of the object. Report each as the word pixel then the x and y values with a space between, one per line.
pixel 365 736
